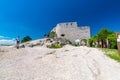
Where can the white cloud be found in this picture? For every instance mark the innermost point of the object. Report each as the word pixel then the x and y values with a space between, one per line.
pixel 6 41
pixel 1 37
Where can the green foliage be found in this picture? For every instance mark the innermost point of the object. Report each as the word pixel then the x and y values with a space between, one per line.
pixel 45 35
pixel 112 53
pixel 84 40
pixel 68 41
pixel 114 56
pixel 113 40
pixel 103 34
pixel 50 34
pixel 90 41
pixel 75 44
pixel 54 45
pixel 27 38
pixel 93 39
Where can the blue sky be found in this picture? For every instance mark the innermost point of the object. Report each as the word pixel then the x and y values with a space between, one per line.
pixel 37 17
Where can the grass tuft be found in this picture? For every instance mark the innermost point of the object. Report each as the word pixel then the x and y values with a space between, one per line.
pixel 112 53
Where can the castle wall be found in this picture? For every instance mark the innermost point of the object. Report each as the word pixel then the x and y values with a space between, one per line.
pixel 71 31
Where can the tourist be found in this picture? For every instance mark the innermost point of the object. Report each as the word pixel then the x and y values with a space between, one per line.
pixel 18 42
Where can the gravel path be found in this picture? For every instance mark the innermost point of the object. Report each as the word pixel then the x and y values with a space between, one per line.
pixel 68 63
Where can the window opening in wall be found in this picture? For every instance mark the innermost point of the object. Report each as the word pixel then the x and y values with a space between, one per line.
pixel 62 35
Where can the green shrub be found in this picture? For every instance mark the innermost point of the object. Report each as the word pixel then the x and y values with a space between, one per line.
pixel 68 41
pixel 48 46
pixel 113 40
pixel 26 39
pixel 75 44
pixel 51 34
pixel 54 45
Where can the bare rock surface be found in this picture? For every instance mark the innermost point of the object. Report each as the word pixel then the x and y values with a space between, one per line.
pixel 67 63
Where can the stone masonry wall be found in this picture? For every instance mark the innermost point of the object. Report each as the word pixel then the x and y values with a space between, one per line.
pixel 71 31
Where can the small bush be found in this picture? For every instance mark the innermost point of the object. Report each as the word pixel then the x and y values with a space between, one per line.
pixel 54 45
pixel 68 41
pixel 50 34
pixel 75 44
pixel 48 46
pixel 26 39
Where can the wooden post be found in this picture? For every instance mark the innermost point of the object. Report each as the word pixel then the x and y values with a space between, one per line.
pixel 118 42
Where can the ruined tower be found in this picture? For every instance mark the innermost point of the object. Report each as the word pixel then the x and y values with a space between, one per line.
pixel 71 31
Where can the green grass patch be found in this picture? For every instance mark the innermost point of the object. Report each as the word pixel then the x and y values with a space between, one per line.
pixel 112 53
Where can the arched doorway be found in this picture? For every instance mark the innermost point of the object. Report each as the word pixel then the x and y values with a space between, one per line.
pixel 83 42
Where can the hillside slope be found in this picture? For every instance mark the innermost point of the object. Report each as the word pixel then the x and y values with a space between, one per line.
pixel 68 63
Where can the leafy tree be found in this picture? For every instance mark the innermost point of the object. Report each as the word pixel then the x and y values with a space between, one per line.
pixel 27 38
pixel 103 34
pixel 113 40
pixel 95 38
pixel 90 41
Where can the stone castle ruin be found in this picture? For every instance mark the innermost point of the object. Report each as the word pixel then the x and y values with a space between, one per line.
pixel 71 31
